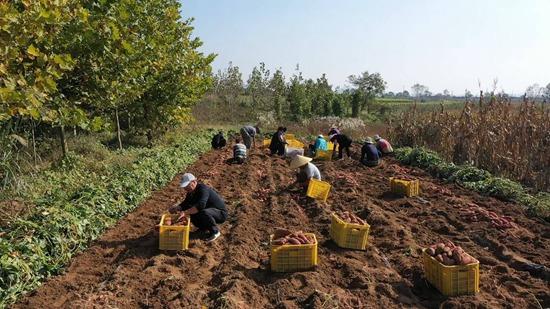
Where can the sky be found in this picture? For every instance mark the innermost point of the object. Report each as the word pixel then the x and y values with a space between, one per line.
pixel 443 44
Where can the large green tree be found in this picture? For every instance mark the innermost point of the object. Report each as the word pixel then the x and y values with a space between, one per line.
pixel 370 86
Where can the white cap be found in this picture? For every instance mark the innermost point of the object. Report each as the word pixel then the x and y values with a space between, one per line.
pixel 186 179
pixel 320 136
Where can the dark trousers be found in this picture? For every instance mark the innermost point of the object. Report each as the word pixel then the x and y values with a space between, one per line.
pixel 278 149
pixel 207 219
pixel 340 150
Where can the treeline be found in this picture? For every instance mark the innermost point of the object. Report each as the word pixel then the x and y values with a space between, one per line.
pixel 91 65
pixel 296 97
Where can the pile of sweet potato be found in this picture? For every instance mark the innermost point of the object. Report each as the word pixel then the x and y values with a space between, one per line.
pixel 168 220
pixel 286 237
pixel 449 254
pixel 350 218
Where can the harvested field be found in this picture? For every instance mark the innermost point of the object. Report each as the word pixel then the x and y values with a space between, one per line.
pixel 125 269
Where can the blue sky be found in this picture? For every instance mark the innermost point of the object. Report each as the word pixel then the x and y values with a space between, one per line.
pixel 443 44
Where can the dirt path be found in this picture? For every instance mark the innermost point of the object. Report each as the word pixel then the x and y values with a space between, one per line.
pixel 125 269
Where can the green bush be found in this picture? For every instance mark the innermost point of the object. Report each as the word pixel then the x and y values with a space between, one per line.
pixel 476 179
pixel 65 221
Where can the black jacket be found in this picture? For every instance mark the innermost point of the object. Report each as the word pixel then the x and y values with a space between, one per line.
pixel 203 197
pixel 218 141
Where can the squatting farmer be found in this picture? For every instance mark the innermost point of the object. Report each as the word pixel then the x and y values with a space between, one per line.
pixel 239 152
pixel 218 141
pixel 320 143
pixel 205 207
pixel 343 142
pixel 307 170
pixel 383 146
pixel 248 133
pixel 278 142
pixel 370 155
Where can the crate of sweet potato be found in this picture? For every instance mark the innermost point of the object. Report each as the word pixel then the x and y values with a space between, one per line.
pixel 450 269
pixel 173 234
pixel 292 251
pixel 349 231
pixel 405 186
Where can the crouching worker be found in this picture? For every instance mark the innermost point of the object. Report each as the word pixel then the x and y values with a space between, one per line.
pixel 306 172
pixel 204 206
pixel 383 146
pixel 218 141
pixel 370 155
pixel 239 152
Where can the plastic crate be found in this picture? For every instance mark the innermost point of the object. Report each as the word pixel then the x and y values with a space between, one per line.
pixel 318 189
pixel 288 258
pixel 451 280
pixel 330 145
pixel 291 152
pixel 266 142
pixel 404 187
pixel 173 237
pixel 349 235
pixel 290 136
pixel 295 143
pixel 325 155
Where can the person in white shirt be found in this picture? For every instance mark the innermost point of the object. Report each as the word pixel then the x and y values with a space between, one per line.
pixel 307 170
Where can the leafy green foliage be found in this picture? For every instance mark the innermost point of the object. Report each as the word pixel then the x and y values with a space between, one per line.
pixel 476 179
pixel 77 208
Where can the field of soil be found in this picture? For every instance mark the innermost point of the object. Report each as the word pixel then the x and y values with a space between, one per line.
pixel 125 269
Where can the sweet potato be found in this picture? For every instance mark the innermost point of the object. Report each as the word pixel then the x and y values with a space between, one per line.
pixel 293 241
pixel 431 251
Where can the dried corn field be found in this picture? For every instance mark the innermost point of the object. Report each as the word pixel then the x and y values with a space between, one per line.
pixel 508 139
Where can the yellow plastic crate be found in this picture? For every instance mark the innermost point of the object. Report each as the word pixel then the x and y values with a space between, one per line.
pixel 349 235
pixel 290 136
pixel 295 143
pixel 330 145
pixel 318 189
pixel 288 258
pixel 404 187
pixel 173 237
pixel 451 280
pixel 325 155
pixel 266 142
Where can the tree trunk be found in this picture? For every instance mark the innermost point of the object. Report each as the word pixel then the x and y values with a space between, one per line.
pixel 118 130
pixel 63 140
pixel 74 131
pixel 129 122
pixel 33 146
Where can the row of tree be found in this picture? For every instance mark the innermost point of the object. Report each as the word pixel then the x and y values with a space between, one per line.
pixel 298 97
pixel 95 64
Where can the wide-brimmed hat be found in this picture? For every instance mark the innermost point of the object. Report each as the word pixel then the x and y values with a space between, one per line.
pixel 298 161
pixel 368 140
pixel 377 137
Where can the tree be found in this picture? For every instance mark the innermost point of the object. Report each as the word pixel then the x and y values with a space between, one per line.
pixel 356 102
pixel 277 88
pixel 296 97
pixel 229 83
pixel 468 94
pixel 446 93
pixel 419 90
pixel 547 92
pixel 257 85
pixel 534 91
pixel 370 86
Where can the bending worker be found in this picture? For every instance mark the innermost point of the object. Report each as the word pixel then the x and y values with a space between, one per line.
pixel 248 133
pixel 320 143
pixel 307 170
pixel 383 146
pixel 278 142
pixel 205 207
pixel 239 152
pixel 370 156
pixel 343 142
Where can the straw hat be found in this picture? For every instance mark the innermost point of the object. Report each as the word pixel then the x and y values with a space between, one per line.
pixel 298 161
pixel 368 140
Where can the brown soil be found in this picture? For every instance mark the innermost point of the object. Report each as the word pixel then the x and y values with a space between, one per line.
pixel 125 269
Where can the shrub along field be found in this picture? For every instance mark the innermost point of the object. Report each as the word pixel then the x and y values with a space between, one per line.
pixel 73 206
